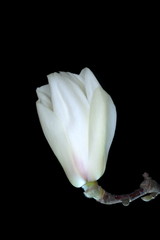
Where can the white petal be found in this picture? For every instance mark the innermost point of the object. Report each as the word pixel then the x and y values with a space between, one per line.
pixel 102 127
pixel 44 96
pixel 74 78
pixel 72 108
pixel 60 144
pixel 46 90
pixel 86 81
pixel 66 96
pixel 90 82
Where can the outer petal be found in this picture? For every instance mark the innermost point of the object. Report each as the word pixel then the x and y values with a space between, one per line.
pixel 67 97
pixel 72 109
pixel 102 125
pixel 58 140
pixel 76 79
pixel 44 96
pixel 87 82
pixel 90 82
pixel 46 90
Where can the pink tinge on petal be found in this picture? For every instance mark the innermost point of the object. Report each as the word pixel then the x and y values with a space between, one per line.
pixel 81 167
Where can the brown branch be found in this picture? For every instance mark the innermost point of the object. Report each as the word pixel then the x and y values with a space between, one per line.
pixel 148 190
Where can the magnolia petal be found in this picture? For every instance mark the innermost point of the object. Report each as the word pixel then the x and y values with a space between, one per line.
pixel 67 97
pixel 72 108
pixel 46 90
pixel 44 96
pixel 74 78
pixel 90 82
pixel 86 81
pixel 60 144
pixel 102 125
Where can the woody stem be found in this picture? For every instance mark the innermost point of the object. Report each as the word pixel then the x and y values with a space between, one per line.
pixel 148 190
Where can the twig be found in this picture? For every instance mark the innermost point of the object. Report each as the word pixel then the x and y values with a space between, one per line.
pixel 148 190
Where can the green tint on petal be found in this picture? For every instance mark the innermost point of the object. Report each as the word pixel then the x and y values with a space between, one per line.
pixel 102 123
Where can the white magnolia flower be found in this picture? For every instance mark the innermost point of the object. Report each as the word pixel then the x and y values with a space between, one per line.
pixel 78 119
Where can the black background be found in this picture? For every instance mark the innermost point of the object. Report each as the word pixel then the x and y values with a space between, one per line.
pixel 123 53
